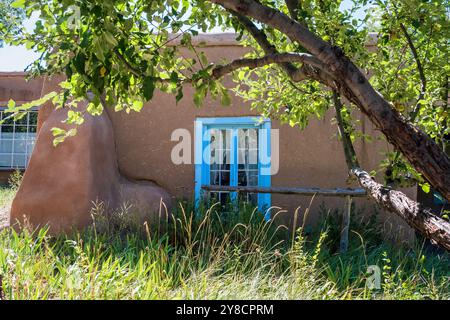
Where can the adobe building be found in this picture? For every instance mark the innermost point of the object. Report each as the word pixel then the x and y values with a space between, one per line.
pixel 129 157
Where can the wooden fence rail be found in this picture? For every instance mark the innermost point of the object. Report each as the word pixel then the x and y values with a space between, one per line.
pixel 349 193
pixel 337 192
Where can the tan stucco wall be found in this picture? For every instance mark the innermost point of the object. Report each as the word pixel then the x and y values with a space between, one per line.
pixel 309 158
pixel 13 85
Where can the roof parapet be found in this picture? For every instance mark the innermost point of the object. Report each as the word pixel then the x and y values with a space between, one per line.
pixel 229 39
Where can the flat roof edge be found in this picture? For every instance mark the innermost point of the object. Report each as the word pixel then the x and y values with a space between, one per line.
pixel 208 39
pixel 229 39
pixel 13 73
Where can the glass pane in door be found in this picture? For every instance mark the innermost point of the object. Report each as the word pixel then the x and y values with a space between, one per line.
pixel 220 163
pixel 248 162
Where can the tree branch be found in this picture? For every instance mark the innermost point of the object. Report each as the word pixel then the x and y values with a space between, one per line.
pixel 349 150
pixel 136 72
pixel 423 79
pixel 278 58
pixel 418 217
pixel 268 48
pixel 293 7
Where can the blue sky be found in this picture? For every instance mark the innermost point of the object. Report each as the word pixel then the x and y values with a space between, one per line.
pixel 16 58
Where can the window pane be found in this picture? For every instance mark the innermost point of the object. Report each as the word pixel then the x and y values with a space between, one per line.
pixel 248 167
pixel 33 118
pixel 17 139
pixel 220 148
pixel 252 198
pixel 253 179
pixel 247 156
pixel 220 178
pixel 23 120
pixel 5 160
pixel 20 146
pixel 7 128
pixel 7 119
pixel 242 178
pixel 20 135
pixel 5 146
pixel 247 178
pixel 30 145
pixel 18 161
pixel 248 162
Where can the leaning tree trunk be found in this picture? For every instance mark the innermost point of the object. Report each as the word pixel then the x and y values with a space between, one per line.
pixel 418 217
pixel 420 150
pixel 422 219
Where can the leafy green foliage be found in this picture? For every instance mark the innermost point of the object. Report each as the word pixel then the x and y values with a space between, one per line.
pixel 119 50
pixel 118 53
pixel 10 21
pixel 61 134
pixel 395 71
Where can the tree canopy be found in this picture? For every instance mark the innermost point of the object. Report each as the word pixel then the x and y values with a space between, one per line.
pixel 10 21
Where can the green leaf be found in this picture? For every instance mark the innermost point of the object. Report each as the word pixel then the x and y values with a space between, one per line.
pixel 61 134
pixel 58 140
pixel 79 62
pixel 179 95
pixel 11 104
pixel 71 133
pixel 225 98
pixel 148 87
pixel 57 131
pixel 137 105
pixel 75 117
pixel 18 4
pixel 203 58
pixel 109 38
pixel 95 109
pixel 241 75
pixel 416 23
pixel 174 77
pixel 425 187
pixel 98 47
pixel 199 95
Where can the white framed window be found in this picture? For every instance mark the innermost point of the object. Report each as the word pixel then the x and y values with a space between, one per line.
pixel 17 139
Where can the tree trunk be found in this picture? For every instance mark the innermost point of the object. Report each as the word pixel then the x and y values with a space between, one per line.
pixel 421 219
pixel 420 150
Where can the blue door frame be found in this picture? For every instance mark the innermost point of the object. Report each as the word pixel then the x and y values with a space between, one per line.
pixel 202 152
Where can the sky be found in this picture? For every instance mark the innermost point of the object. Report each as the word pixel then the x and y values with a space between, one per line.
pixel 17 58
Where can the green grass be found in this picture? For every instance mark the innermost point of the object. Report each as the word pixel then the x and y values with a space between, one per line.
pixel 215 255
pixel 6 195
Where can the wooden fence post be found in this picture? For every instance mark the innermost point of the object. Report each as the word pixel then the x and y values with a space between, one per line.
pixel 345 226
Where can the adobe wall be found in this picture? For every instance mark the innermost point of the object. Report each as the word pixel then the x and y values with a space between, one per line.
pixel 13 85
pixel 309 158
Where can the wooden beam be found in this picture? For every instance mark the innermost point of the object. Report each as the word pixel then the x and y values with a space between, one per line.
pixel 338 192
pixel 343 245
